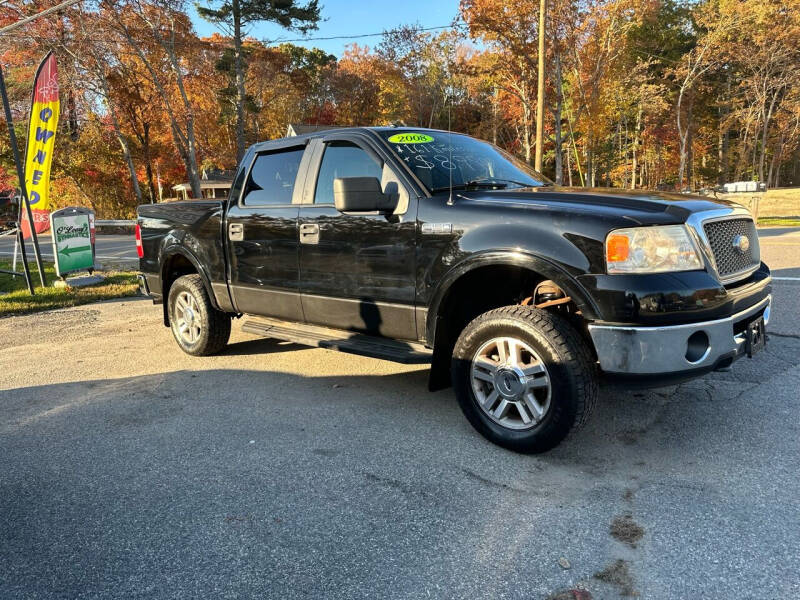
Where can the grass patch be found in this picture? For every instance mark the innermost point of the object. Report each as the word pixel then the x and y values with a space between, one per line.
pixel 15 299
pixel 779 221
pixel 783 194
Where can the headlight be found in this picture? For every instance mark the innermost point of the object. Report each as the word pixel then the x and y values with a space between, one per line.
pixel 652 250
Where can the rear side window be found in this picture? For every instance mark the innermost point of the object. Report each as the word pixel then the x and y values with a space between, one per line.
pixel 343 159
pixel 272 178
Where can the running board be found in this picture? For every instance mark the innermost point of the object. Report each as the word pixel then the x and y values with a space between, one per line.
pixel 338 339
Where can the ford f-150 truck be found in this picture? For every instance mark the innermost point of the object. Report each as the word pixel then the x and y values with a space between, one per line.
pixel 425 246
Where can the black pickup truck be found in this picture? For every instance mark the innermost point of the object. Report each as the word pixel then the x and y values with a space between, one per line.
pixel 425 246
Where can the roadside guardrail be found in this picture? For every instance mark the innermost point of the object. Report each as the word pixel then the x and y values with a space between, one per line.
pixel 114 223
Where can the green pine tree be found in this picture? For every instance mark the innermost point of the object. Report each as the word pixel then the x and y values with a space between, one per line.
pixel 234 17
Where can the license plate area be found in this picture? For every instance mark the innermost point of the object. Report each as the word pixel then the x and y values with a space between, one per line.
pixel 755 337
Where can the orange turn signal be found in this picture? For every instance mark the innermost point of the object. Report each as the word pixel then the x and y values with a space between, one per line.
pixel 617 248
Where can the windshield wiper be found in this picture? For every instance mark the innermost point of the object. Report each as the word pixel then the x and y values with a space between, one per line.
pixel 476 183
pixel 497 183
pixel 488 180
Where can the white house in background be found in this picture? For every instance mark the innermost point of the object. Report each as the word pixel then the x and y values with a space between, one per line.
pixel 745 186
pixel 214 184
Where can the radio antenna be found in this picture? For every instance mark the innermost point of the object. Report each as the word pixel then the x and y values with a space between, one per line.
pixel 449 128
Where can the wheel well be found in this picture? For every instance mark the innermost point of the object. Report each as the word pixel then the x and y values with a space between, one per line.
pixel 487 288
pixel 483 289
pixel 175 266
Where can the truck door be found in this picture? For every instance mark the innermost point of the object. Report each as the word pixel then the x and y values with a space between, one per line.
pixel 357 271
pixel 261 230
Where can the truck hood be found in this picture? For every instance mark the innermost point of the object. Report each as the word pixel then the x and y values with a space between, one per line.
pixel 604 201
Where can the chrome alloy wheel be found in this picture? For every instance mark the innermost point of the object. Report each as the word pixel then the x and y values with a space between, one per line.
pixel 187 317
pixel 511 383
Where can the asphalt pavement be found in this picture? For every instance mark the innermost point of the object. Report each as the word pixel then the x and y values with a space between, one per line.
pixel 110 250
pixel 131 470
pixel 780 248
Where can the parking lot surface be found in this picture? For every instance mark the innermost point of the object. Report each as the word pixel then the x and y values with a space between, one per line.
pixel 131 470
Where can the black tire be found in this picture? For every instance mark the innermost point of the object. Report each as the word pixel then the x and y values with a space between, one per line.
pixel 216 326
pixel 569 365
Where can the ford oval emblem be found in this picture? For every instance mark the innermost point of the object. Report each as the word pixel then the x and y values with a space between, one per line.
pixel 741 243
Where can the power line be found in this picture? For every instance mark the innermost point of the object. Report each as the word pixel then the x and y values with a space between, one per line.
pixel 266 42
pixel 349 37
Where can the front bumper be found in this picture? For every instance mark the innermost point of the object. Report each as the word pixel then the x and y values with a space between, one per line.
pixel 676 349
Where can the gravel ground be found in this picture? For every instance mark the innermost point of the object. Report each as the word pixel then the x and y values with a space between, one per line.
pixel 130 470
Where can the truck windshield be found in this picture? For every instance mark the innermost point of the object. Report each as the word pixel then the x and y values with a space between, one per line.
pixel 435 156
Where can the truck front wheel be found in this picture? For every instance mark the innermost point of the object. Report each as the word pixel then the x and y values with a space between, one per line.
pixel 523 377
pixel 198 327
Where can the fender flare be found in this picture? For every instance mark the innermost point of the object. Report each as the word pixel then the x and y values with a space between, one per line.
pixel 166 255
pixel 521 259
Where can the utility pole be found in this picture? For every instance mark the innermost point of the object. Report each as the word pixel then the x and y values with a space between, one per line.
pixel 540 91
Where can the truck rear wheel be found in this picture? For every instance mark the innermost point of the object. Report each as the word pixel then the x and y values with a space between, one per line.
pixel 524 378
pixel 198 327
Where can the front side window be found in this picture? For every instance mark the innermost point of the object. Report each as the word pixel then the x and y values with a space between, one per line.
pixel 439 157
pixel 343 159
pixel 272 178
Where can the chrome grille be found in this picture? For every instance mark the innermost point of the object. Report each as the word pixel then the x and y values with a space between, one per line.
pixel 730 260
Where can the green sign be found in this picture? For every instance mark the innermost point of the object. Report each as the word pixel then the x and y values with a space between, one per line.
pixel 410 138
pixel 72 240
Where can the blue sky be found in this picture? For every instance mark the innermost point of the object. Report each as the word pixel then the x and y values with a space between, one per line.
pixel 353 17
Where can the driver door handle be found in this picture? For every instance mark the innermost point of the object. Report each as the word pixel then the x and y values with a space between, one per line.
pixel 236 232
pixel 309 233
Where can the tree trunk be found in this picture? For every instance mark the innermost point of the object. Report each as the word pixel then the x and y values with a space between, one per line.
pixel 72 114
pixel 526 125
pixel 126 152
pixel 690 145
pixel 494 115
pixel 148 163
pixel 618 137
pixel 642 176
pixel 636 147
pixel 765 134
pixel 723 139
pixel 569 167
pixel 742 154
pixel 194 174
pixel 239 69
pixel 722 154
pixel 540 87
pixel 775 163
pixel 123 141
pixel 575 152
pixel 682 134
pixel 557 136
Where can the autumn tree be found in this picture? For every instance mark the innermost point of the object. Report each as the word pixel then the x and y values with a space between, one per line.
pixel 761 46
pixel 510 29
pixel 159 33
